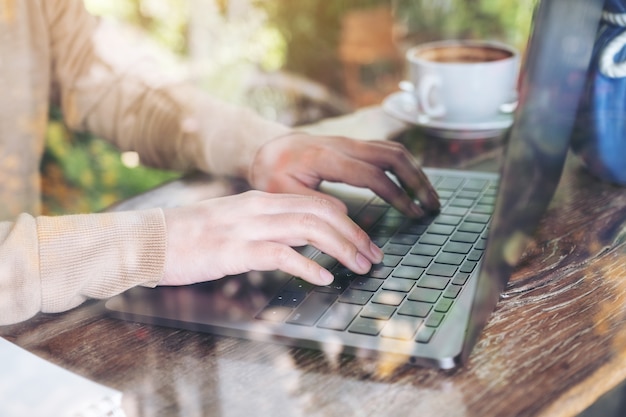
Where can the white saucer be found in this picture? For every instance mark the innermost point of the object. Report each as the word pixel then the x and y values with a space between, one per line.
pixel 401 105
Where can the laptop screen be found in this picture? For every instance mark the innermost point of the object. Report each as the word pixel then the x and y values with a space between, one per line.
pixel 551 82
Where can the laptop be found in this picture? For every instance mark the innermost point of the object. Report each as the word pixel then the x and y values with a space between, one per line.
pixel 442 276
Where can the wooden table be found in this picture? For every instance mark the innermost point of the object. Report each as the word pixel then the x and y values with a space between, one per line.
pixel 556 342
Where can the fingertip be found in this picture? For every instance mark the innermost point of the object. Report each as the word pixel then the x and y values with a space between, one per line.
pixel 377 253
pixel 416 210
pixel 363 263
pixel 326 277
pixel 429 199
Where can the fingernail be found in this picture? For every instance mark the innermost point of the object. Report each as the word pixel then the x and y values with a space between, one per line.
pixel 434 198
pixel 326 277
pixel 363 263
pixel 416 210
pixel 376 252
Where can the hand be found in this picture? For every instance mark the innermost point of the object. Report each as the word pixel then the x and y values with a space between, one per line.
pixel 257 231
pixel 298 163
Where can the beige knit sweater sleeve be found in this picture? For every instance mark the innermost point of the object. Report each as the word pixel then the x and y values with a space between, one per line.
pixel 51 264
pixel 108 87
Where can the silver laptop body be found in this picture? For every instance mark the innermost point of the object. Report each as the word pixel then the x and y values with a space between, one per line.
pixel 420 306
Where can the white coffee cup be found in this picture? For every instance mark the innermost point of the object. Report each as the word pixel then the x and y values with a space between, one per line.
pixel 463 80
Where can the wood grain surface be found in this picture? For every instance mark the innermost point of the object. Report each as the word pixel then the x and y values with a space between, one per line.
pixel 556 342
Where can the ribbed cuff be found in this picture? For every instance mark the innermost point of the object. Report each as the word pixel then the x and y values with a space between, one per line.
pixel 98 255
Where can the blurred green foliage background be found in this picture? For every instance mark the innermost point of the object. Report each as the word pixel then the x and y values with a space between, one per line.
pixel 225 41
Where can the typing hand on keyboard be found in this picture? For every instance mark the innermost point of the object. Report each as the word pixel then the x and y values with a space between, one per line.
pixel 427 263
pixel 256 231
pixel 298 163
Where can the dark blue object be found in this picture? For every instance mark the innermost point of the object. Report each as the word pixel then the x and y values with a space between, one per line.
pixel 600 134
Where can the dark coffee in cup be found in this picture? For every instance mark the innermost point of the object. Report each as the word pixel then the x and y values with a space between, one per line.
pixel 463 54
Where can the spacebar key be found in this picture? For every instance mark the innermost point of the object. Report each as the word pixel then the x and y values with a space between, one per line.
pixel 312 308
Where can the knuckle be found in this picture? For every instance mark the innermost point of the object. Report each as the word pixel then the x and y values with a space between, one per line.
pixel 380 177
pixel 281 256
pixel 254 195
pixel 399 153
pixel 322 202
pixel 309 221
pixel 323 207
pixel 361 235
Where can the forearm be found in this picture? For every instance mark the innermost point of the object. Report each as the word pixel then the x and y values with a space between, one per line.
pixel 107 87
pixel 53 264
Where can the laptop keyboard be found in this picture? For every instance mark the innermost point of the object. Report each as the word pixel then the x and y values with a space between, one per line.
pixel 427 262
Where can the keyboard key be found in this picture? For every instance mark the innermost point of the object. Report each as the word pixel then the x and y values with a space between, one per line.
pixel 423 249
pixel 408 272
pixel 391 260
pixel 462 202
pixel 380 241
pixel 424 294
pixel 339 316
pixel 483 209
pixel 421 261
pixel 415 308
pixel 425 334
pixel 401 327
pixel 441 270
pixel 369 216
pixel 404 239
pixel 491 192
pixel 367 284
pixel 452 291
pixel 383 230
pixel 424 220
pixel 456 211
pixel 338 286
pixel 464 237
pixel 414 228
pixel 393 217
pixel 435 283
pixel 312 308
pixel 435 319
pixel 471 227
pixel 468 266
pixel 378 311
pixel 288 299
pixel 343 273
pixel 450 183
pixel 390 298
pixel 436 240
pixel 457 247
pixel 441 229
pixel 460 279
pixel 443 306
pixel 325 261
pixel 477 218
pixel 398 284
pixel 355 297
pixel 448 220
pixel 450 258
pixel 367 326
pixel 475 184
pixel 472 195
pixel 298 285
pixel 395 249
pixel 275 314
pixel 475 255
pixel 380 271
